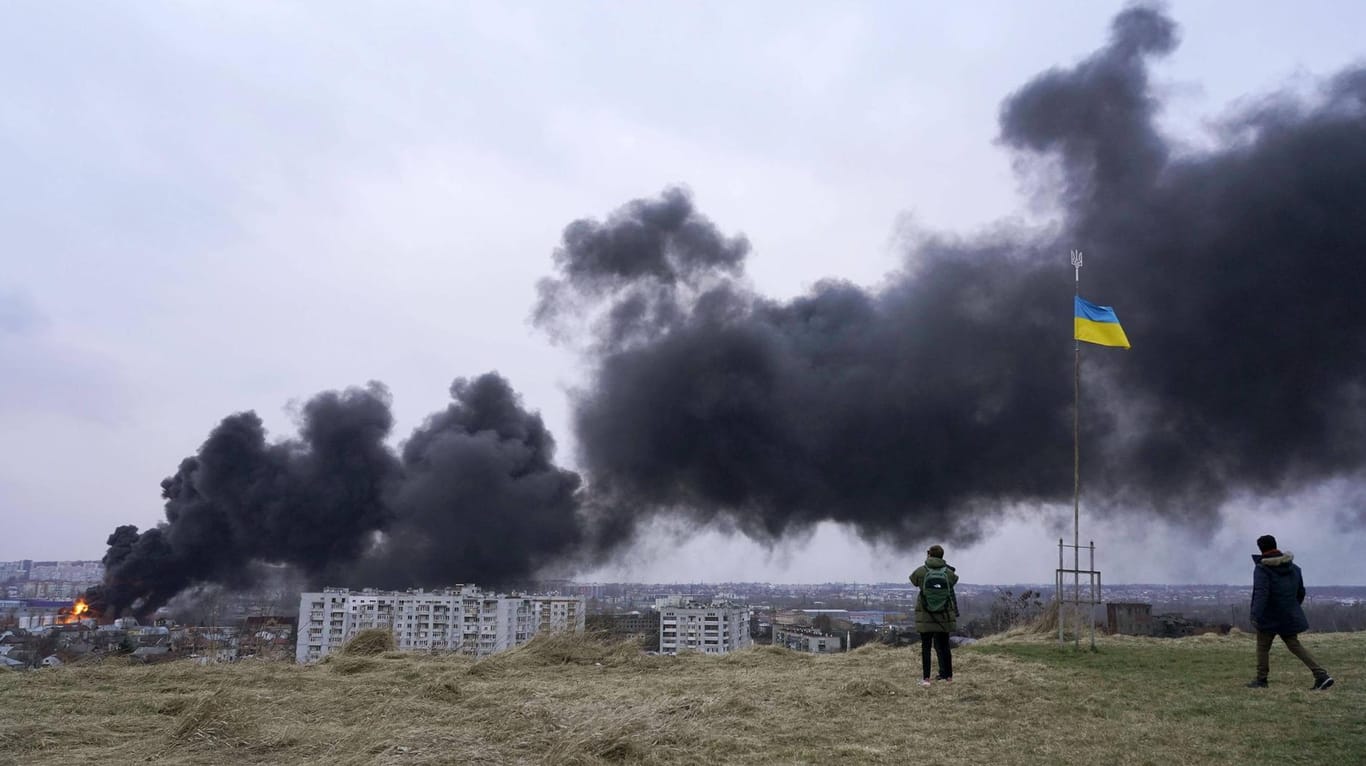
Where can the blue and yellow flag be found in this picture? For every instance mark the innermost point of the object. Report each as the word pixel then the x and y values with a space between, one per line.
pixel 1097 324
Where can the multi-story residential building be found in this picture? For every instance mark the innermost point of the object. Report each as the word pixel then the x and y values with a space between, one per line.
pixel 15 570
pixel 463 619
pixel 800 638
pixel 71 571
pixel 713 628
pixel 30 579
pixel 51 589
pixel 560 613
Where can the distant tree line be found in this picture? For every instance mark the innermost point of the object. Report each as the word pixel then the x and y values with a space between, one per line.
pixel 1010 608
pixel 1324 617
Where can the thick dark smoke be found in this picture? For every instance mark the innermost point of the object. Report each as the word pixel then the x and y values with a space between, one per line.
pixel 646 265
pixel 475 495
pixel 926 406
pixel 922 408
pixel 1237 270
pixel 481 499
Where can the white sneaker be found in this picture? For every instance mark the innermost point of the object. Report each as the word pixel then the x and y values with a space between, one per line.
pixel 924 682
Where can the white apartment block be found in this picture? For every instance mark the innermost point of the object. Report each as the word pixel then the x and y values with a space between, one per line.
pixel 73 571
pixel 558 614
pixel 707 628
pixel 464 619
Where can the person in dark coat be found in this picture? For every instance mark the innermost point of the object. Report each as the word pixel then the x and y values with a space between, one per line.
pixel 1277 592
pixel 934 627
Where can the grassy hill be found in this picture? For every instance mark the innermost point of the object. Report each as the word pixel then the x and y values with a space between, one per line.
pixel 1016 700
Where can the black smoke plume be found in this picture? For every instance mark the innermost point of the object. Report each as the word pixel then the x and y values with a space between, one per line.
pixel 481 499
pixel 474 496
pixel 917 409
pixel 924 407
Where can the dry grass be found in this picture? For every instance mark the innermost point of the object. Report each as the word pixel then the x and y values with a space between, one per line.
pixel 368 642
pixel 1017 699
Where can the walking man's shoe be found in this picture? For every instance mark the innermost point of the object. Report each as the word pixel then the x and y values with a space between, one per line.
pixel 1321 683
pixel 1260 683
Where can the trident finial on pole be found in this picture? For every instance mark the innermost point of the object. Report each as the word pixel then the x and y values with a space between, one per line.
pixel 1076 263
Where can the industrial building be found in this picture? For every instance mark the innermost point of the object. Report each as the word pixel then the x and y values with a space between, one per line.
pixel 462 619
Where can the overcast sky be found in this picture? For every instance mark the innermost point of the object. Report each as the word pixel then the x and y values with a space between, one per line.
pixel 210 208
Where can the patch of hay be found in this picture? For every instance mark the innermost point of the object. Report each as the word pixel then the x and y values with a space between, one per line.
pixel 441 690
pixel 212 721
pixel 1046 622
pixel 572 649
pixel 874 650
pixel 1043 626
pixel 347 665
pixel 872 687
pixel 635 735
pixel 731 705
pixel 488 666
pixel 175 705
pixel 764 654
pixel 370 641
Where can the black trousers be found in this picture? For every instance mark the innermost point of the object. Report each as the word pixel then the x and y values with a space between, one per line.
pixel 941 648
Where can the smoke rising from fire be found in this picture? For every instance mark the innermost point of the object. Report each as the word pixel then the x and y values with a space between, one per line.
pixel 474 495
pixel 925 406
pixel 919 408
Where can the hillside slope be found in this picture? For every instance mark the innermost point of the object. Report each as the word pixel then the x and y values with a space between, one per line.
pixel 1015 700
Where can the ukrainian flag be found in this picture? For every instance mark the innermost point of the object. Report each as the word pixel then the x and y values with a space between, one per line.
pixel 1097 324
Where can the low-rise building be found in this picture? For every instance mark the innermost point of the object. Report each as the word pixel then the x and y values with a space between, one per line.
pixel 800 638
pixel 267 637
pixel 1130 619
pixel 34 614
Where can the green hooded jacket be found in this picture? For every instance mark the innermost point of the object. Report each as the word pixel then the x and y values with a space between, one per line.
pixel 925 620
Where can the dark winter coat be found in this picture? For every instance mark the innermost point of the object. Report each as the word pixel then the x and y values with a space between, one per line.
pixel 934 622
pixel 1277 591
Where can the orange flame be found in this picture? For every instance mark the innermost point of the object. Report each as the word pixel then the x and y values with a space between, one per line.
pixel 77 610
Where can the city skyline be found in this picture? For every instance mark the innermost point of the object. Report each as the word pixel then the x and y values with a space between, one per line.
pixel 8 570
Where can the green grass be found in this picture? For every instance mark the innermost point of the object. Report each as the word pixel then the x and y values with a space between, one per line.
pixel 566 700
pixel 1196 686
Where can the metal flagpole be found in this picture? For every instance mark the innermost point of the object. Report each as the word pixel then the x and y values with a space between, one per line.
pixel 1076 460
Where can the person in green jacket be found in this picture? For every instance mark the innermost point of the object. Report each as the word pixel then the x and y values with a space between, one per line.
pixel 936 612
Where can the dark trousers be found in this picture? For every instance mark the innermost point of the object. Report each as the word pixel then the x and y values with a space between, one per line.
pixel 1292 642
pixel 941 648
